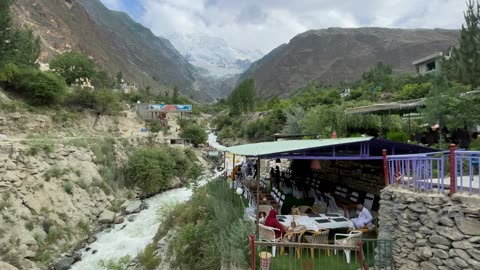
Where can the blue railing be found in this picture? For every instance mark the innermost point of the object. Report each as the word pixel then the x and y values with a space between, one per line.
pixel 467 171
pixel 423 172
pixel 427 172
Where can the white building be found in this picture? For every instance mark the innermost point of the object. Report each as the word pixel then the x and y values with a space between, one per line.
pixel 429 64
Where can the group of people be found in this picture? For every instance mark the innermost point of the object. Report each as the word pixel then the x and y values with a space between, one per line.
pixel 364 218
pixel 245 169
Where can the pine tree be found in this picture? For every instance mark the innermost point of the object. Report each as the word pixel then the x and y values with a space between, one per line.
pixel 464 65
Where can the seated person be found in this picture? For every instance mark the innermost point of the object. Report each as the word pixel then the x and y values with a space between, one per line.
pixel 271 221
pixel 262 218
pixel 291 229
pixel 363 217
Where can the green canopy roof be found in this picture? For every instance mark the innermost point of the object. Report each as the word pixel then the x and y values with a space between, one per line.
pixel 269 148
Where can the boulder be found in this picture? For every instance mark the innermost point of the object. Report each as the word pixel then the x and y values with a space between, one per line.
pixel 428 266
pixel 444 220
pixel 132 218
pixel 106 217
pixel 474 263
pixel 451 233
pixel 134 207
pixel 124 205
pixel 63 263
pixel 6 266
pixel 475 253
pixel 468 226
pixel 438 239
pixel 461 262
pixel 441 253
pixel 91 239
pixel 119 220
pixel 462 244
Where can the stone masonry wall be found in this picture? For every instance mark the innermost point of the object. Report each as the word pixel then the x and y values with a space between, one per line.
pixel 431 231
pixel 362 175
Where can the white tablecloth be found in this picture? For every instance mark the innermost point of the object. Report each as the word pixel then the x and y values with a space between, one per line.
pixel 311 224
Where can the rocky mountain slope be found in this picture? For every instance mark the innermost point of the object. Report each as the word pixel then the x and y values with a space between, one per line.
pixel 334 55
pixel 112 39
pixel 213 55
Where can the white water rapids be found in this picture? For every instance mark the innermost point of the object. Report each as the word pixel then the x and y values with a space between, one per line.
pixel 137 234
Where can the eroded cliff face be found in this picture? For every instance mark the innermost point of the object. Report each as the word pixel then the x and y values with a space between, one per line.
pixel 49 201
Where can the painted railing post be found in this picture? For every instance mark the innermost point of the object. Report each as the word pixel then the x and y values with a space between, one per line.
pixel 252 241
pixel 385 166
pixel 452 169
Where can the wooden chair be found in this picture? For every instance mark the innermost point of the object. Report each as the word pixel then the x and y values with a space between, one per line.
pixel 347 240
pixel 305 209
pixel 265 208
pixel 320 237
pixel 296 237
pixel 268 234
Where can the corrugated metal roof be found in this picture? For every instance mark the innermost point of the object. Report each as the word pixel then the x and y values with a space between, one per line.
pixel 387 107
pixel 269 148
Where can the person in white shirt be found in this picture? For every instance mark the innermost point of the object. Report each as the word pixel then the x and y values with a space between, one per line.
pixel 363 217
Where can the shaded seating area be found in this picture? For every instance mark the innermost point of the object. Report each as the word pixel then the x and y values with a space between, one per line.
pixel 319 190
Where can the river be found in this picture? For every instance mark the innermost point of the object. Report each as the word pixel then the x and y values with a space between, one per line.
pixel 136 235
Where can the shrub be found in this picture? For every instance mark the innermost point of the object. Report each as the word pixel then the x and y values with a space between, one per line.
pixel 147 258
pixel 41 88
pixel 39 145
pixel 68 187
pixel 73 66
pixel 84 226
pixel 82 184
pixel 196 133
pixel 397 136
pixel 155 127
pixel 53 172
pixel 112 264
pixel 151 169
pixel 29 225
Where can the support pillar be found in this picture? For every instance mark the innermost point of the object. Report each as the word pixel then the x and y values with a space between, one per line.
pixel 258 199
pixel 452 162
pixel 385 167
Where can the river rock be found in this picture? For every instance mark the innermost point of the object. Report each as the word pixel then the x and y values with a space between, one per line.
pixel 106 217
pixel 132 218
pixel 63 263
pixel 6 266
pixel 119 220
pixel 91 239
pixel 134 207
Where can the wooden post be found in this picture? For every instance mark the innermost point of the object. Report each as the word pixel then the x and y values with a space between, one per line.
pixel 252 243
pixel 225 173
pixel 258 198
pixel 452 169
pixel 385 167
pixel 234 178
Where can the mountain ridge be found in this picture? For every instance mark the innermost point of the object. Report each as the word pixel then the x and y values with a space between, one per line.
pixel 111 38
pixel 335 55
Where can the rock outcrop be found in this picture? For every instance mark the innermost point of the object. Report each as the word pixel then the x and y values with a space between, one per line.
pixel 431 231
pixel 48 200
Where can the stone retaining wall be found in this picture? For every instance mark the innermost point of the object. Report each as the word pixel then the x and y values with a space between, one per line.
pixel 431 231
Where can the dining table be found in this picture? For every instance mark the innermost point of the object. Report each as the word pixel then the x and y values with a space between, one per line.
pixel 317 222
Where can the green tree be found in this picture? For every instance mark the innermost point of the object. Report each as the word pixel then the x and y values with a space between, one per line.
pixel 194 132
pixel 103 80
pixel 19 47
pixel 176 95
pixel 440 103
pixel 323 120
pixel 106 101
pixel 150 169
pixel 119 77
pixel 464 65
pixel 413 91
pixel 73 66
pixel 242 98
pixel 41 88
pixel 293 116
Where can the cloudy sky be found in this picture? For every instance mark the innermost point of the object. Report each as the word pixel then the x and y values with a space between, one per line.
pixel 265 24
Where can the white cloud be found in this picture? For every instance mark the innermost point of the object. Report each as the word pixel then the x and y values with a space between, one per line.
pixel 113 4
pixel 265 24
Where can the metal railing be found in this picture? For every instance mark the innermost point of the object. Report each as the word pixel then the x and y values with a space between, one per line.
pixel 367 254
pixel 428 172
pixel 467 171
pixel 419 172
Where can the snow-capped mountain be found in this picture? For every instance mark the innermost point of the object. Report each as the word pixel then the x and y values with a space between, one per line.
pixel 213 55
